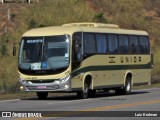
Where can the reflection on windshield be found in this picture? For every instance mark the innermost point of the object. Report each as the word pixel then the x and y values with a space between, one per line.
pixel 44 53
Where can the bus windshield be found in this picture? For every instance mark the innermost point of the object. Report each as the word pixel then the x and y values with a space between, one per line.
pixel 44 53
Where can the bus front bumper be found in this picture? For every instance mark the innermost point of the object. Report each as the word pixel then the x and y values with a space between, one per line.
pixel 55 86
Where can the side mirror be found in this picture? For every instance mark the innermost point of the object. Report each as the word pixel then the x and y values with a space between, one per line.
pixel 152 61
pixel 14 50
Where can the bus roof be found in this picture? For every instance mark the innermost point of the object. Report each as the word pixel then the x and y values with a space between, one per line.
pixel 81 27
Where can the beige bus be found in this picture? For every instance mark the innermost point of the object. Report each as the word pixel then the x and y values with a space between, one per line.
pixel 83 58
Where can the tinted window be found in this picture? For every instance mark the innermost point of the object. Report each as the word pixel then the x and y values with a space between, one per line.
pixel 113 44
pixel 89 43
pixel 77 45
pixel 143 44
pixel 133 44
pixel 123 44
pixel 101 43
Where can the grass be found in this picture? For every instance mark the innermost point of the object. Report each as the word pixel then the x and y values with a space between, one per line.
pixel 53 13
pixel 16 96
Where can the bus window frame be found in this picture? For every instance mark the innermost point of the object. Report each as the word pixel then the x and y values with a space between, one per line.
pixel 138 52
pixel 86 54
pixel 107 52
pixel 128 52
pixel 73 47
pixel 148 44
pixel 117 43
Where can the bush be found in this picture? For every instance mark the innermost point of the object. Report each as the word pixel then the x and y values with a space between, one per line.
pixel 3 50
pixel 99 18
pixel 32 24
pixel 3 44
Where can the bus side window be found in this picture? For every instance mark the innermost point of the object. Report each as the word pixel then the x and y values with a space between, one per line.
pixel 123 44
pixel 113 44
pixel 101 41
pixel 144 44
pixel 89 43
pixel 133 40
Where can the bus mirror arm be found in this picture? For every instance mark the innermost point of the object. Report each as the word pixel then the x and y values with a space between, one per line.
pixel 14 49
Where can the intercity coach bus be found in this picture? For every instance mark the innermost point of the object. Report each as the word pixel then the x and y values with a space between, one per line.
pixel 83 58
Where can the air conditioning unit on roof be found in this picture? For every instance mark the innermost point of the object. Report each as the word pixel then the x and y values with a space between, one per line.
pixel 98 25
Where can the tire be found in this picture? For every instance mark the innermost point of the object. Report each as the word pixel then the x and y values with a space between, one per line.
pixel 126 90
pixel 119 91
pixel 92 93
pixel 42 95
pixel 84 93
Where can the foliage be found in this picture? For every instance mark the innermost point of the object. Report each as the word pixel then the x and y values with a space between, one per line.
pixel 3 50
pixel 99 18
pixel 50 12
pixel 3 44
pixel 31 24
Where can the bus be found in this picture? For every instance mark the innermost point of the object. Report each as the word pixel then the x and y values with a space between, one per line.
pixel 83 58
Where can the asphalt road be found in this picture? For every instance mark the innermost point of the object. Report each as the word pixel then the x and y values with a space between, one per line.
pixel 144 103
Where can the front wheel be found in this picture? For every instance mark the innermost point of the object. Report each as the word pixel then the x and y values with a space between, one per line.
pixel 42 95
pixel 84 93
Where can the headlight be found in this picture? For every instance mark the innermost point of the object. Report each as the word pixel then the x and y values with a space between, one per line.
pixel 62 80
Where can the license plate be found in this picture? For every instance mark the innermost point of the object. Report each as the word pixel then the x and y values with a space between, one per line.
pixel 41 87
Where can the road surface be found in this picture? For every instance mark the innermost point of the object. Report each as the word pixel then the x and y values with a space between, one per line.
pixel 141 104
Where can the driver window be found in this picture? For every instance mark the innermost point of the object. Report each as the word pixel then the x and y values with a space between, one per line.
pixel 77 37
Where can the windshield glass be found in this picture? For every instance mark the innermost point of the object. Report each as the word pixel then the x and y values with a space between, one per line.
pixel 44 53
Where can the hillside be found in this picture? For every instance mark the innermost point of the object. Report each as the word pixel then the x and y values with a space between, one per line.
pixel 137 14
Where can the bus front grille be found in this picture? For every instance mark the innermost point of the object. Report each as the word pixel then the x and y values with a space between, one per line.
pixel 42 88
pixel 41 81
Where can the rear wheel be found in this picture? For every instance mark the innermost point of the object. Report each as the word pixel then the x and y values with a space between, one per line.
pixel 126 90
pixel 92 93
pixel 42 95
pixel 84 93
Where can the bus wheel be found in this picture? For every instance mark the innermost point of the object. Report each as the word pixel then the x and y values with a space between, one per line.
pixel 42 95
pixel 126 90
pixel 92 93
pixel 84 93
